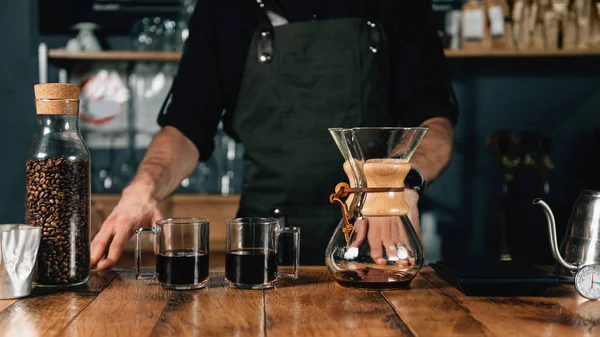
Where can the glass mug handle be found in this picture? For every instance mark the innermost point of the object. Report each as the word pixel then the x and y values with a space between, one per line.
pixel 138 254
pixel 295 231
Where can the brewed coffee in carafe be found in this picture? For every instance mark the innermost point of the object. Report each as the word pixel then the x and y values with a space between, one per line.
pixel 375 244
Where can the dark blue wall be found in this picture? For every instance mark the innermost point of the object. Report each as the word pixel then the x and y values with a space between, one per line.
pixel 557 96
pixel 18 72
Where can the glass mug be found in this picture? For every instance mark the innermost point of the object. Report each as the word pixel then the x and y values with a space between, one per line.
pixel 181 248
pixel 251 252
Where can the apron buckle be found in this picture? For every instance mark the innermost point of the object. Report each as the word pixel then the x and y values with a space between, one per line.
pixel 374 36
pixel 265 47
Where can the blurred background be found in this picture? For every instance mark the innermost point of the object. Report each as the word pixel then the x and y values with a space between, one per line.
pixel 526 74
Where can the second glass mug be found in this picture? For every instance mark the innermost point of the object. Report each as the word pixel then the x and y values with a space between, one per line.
pixel 251 252
pixel 181 248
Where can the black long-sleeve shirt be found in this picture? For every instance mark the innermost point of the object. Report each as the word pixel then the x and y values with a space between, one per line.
pixel 211 69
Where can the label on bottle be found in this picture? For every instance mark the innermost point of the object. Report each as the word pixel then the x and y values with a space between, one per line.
pixel 496 15
pixel 473 24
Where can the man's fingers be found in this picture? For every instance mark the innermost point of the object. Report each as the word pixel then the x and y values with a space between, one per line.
pixel 374 235
pixel 360 230
pixel 99 245
pixel 157 216
pixel 116 249
pixel 387 239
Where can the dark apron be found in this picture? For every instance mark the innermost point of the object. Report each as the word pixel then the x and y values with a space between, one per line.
pixel 301 79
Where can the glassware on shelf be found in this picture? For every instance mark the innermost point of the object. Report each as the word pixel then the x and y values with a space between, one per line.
pixel 185 13
pixel 375 244
pixel 228 158
pixel 172 40
pixel 192 183
pixel 150 83
pixel 113 168
pixel 147 34
pixel 85 39
pixel 161 33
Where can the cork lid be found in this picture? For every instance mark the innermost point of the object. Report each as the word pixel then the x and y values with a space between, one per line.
pixel 56 91
pixel 56 99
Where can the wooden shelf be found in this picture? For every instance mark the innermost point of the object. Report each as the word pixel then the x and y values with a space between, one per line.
pixel 520 53
pixel 216 208
pixel 115 55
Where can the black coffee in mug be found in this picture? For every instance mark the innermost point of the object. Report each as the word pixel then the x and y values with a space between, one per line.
pixel 251 266
pixel 182 267
pixel 251 253
pixel 181 246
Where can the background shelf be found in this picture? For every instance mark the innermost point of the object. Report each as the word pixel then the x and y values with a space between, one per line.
pixel 116 55
pixel 520 53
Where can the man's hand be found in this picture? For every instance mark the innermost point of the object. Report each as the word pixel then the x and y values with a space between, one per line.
pixel 386 235
pixel 170 158
pixel 132 212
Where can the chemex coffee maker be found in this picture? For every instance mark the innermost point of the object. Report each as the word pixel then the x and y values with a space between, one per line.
pixel 578 259
pixel 375 244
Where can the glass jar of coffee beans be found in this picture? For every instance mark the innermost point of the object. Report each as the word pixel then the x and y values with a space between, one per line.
pixel 57 173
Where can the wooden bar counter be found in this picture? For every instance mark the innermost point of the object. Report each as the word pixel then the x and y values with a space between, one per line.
pixel 113 303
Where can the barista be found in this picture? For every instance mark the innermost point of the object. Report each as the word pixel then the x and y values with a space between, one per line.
pixel 283 73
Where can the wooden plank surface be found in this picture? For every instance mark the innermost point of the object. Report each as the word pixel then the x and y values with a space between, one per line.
pixel 6 303
pixel 431 313
pixel 581 311
pixel 115 304
pixel 215 311
pixel 517 316
pixel 47 311
pixel 314 305
pixel 127 307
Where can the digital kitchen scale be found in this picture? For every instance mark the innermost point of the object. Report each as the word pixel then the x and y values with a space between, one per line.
pixel 495 278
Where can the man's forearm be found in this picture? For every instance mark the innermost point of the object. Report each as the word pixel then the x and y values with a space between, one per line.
pixel 170 158
pixel 434 153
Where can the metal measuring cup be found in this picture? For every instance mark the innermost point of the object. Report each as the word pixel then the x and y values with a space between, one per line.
pixel 18 251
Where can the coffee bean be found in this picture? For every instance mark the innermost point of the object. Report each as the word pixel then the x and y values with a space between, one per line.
pixel 58 201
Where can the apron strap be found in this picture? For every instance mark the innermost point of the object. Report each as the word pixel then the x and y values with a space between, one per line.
pixel 266 30
pixel 370 8
pixel 273 6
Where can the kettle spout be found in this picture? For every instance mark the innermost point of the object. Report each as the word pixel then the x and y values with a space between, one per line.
pixel 552 232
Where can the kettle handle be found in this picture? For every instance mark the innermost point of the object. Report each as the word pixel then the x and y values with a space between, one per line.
pixel 553 238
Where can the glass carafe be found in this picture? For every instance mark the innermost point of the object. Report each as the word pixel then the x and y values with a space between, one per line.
pixel 57 172
pixel 375 244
